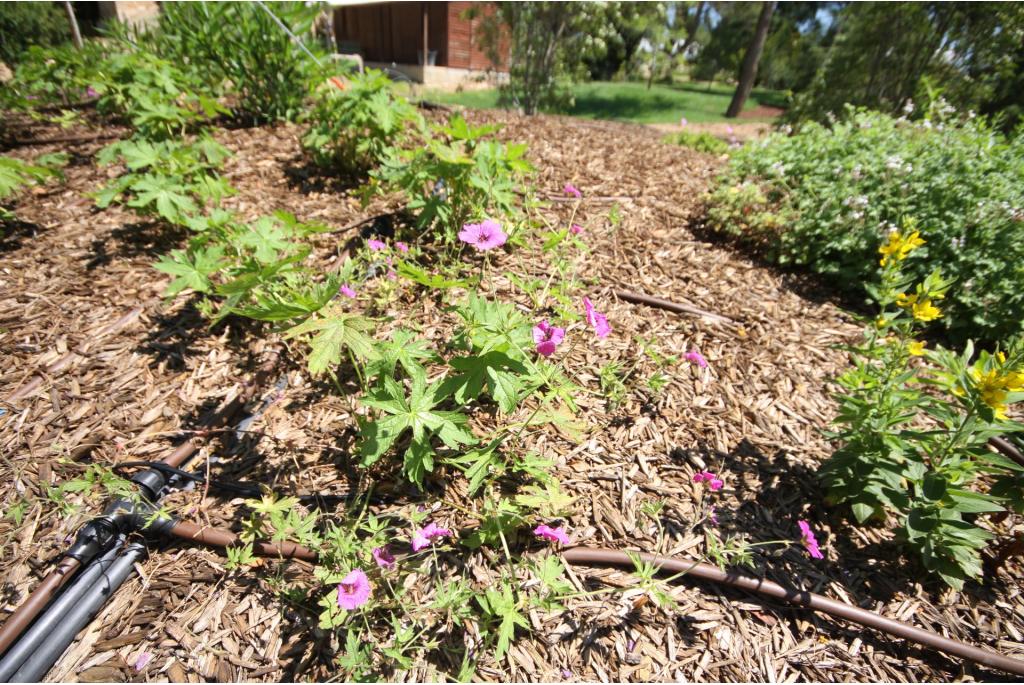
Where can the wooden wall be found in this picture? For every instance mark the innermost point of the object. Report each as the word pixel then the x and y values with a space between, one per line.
pixel 393 32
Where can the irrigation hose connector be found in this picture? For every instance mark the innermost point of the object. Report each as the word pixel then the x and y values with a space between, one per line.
pixel 124 516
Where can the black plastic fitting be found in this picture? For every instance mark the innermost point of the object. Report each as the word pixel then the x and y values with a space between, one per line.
pixel 123 516
pixel 152 483
pixel 94 538
pixel 130 515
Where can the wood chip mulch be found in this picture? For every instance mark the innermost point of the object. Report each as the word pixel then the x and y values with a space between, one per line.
pixel 755 416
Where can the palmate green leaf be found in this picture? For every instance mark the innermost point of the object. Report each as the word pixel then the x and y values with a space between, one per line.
pixel 255 274
pixel 335 330
pixel 139 154
pixel 267 239
pixel 495 326
pixel 495 369
pixel 414 412
pixel 193 270
pixel 166 194
pixel 502 604
pixel 403 349
pixel 15 173
pixel 478 464
pixel 418 461
pixel 547 499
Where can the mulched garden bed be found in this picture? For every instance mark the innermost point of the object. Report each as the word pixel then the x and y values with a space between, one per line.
pixel 69 271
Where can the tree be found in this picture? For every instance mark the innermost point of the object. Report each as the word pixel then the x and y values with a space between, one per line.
pixel 693 25
pixel 625 27
pixel 548 44
pixel 970 53
pixel 748 73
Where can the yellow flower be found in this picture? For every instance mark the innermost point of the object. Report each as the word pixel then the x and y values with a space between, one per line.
pixel 906 301
pixel 991 387
pixel 899 246
pixel 925 311
pixel 1015 381
pixel 1001 357
pixel 915 348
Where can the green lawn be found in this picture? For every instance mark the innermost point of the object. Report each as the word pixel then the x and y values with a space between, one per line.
pixel 625 101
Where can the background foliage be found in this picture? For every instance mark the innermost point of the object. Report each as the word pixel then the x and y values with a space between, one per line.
pixel 30 23
pixel 825 197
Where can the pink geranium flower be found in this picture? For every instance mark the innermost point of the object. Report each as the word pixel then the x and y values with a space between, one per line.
pixel 384 557
pixel 483 236
pixel 376 245
pixel 422 537
pixel 353 590
pixel 552 534
pixel 547 337
pixel 575 229
pixel 683 121
pixel 713 481
pixel 596 319
pixel 808 540
pixel 402 247
pixel 695 357
pixel 347 291
pixel 570 189
pixel 91 92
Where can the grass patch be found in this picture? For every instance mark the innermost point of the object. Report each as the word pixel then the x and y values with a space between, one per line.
pixel 629 101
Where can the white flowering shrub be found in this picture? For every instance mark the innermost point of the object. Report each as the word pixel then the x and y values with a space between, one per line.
pixel 827 197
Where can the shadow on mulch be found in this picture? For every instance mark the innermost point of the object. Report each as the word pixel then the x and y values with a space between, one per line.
pixel 878 570
pixel 14 232
pixel 305 176
pixel 801 281
pixel 137 239
pixel 173 334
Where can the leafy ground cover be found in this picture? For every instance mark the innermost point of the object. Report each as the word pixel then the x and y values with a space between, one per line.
pixel 633 101
pixel 627 461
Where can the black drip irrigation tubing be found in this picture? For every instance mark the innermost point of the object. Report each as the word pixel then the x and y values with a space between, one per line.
pixel 99 560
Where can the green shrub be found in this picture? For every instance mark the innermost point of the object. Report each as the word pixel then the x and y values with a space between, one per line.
pixel 23 24
pixel 701 142
pixel 15 175
pixel 351 130
pixel 53 76
pixel 456 177
pixel 160 100
pixel 826 198
pixel 240 43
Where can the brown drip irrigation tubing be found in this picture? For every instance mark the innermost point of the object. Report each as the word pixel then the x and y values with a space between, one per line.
pixel 1007 448
pixel 66 140
pixel 218 537
pixel 678 308
pixel 606 557
pixel 40 597
pixel 33 383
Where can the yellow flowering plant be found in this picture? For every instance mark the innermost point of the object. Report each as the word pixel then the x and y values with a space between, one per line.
pixel 914 425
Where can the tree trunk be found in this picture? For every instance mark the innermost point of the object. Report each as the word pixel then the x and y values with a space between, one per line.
pixel 749 70
pixel 76 35
pixel 693 26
